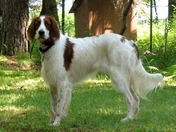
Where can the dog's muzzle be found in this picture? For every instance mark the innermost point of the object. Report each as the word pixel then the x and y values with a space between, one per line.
pixel 41 33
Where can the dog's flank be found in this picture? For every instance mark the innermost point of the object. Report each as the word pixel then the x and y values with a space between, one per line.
pixel 123 39
pixel 136 49
pixel 70 60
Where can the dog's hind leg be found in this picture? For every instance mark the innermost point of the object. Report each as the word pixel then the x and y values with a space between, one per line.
pixel 137 101
pixel 133 105
pixel 121 82
pixel 63 100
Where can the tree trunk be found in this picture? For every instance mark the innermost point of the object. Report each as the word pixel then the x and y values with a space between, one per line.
pixel 14 26
pixel 49 7
pixel 125 13
pixel 63 16
pixel 171 5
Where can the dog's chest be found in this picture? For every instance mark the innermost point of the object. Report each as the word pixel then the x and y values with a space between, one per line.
pixel 52 69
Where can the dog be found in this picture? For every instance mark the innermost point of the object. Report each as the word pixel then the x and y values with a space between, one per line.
pixel 66 61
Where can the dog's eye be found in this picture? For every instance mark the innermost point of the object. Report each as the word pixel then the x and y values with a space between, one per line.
pixel 47 24
pixel 37 24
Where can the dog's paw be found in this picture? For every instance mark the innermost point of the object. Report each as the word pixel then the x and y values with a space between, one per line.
pixel 127 119
pixel 56 122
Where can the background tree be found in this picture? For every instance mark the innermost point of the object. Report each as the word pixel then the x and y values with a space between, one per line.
pixel 63 16
pixel 0 7
pixel 171 5
pixel 49 7
pixel 125 13
pixel 14 26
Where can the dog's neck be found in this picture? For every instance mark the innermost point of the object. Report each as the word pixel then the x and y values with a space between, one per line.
pixel 46 45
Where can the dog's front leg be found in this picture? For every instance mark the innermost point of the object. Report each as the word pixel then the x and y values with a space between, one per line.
pixel 54 98
pixel 63 100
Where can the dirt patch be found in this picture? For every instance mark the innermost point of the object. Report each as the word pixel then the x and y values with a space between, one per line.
pixel 11 62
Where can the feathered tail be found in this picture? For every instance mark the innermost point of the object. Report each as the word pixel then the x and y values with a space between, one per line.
pixel 143 82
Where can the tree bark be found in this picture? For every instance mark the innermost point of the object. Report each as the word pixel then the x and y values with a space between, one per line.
pixel 171 5
pixel 14 27
pixel 125 13
pixel 49 7
pixel 63 16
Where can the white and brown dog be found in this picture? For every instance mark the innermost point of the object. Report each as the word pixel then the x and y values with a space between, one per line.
pixel 68 60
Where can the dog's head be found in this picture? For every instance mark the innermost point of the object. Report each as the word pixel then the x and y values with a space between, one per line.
pixel 43 28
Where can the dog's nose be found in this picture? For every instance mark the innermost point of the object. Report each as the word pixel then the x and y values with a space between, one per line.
pixel 41 32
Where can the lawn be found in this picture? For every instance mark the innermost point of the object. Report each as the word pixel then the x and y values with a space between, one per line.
pixel 95 106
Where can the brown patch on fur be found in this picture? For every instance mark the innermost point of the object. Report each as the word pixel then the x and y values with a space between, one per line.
pixel 136 50
pixel 52 26
pixel 33 27
pixel 123 39
pixel 68 54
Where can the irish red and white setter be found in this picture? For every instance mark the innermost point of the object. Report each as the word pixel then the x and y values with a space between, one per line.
pixel 67 60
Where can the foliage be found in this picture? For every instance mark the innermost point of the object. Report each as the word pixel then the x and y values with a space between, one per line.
pixel 162 49
pixel 69 24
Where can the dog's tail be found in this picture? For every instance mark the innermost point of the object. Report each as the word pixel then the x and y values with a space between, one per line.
pixel 143 82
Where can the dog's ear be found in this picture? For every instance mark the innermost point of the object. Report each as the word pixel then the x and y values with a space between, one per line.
pixel 31 29
pixel 54 29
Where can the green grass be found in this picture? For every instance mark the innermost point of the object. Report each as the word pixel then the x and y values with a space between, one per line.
pixel 95 106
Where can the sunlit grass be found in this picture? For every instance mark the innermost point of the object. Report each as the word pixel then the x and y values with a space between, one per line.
pixel 96 106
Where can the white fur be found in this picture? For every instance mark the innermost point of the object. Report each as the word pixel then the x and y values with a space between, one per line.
pixel 106 52
pixel 42 27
